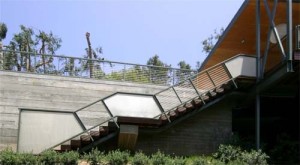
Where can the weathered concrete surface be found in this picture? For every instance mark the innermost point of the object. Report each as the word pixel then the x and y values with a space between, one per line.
pixel 197 135
pixel 46 92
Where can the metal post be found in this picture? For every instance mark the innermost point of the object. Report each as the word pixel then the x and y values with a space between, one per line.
pixel 264 61
pixel 289 32
pixel 211 79
pixel 177 94
pixel 124 70
pixel 258 75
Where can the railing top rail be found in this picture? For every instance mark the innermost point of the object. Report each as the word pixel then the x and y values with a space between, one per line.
pixel 107 61
pixel 205 70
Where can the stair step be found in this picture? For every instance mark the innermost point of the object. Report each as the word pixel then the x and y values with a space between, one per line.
pixel 173 115
pixel 219 90
pixel 112 127
pixel 103 130
pixel 75 144
pixel 212 94
pixel 181 110
pixel 205 98
pixel 65 147
pixel 164 118
pixel 227 86
pixel 95 134
pixel 85 139
pixel 189 106
pixel 197 103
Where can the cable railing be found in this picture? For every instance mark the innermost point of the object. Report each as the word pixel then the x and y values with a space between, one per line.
pixel 204 83
pixel 195 87
pixel 200 86
pixel 61 65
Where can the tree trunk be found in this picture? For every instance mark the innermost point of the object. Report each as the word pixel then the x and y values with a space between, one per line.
pixel 90 62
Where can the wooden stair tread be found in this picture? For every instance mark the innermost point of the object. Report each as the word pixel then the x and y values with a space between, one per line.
pixel 65 147
pixel 139 121
pixel 219 90
pixel 189 106
pixel 103 131
pixel 75 144
pixel 197 103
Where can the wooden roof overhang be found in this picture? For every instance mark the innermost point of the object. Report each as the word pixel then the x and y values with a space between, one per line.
pixel 240 35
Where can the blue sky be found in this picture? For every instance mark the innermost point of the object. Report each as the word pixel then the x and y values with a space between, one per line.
pixel 127 30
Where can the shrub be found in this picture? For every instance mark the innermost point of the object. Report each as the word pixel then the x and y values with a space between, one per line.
pixel 140 159
pixel 254 157
pixel 26 159
pixel 205 160
pixel 49 157
pixel 179 161
pixel 94 157
pixel 226 153
pixel 7 157
pixel 160 158
pixel 118 157
pixel 234 155
pixel 69 158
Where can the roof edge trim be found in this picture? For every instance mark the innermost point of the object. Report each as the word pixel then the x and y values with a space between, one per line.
pixel 241 9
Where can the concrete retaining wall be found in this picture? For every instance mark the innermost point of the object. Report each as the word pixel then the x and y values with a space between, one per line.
pixel 32 91
pixel 197 135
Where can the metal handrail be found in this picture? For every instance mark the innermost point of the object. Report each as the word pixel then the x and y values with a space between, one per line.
pixel 84 131
pixel 206 71
pixel 169 76
pixel 165 111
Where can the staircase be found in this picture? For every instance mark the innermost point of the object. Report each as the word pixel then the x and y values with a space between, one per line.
pixel 94 137
pixel 159 111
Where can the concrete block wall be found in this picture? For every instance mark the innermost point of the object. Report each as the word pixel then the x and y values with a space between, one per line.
pixel 32 91
pixel 199 134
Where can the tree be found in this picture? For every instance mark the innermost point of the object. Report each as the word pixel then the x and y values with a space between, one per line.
pixel 3 31
pixel 48 45
pixel 183 65
pixel 210 42
pixel 94 60
pixel 182 75
pixel 132 74
pixel 158 74
pixel 24 42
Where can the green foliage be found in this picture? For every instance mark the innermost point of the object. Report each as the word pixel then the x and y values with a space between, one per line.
pixel 209 42
pixel 3 31
pixel 227 153
pixel 160 158
pixel 94 157
pixel 140 158
pixel 49 157
pixel 158 75
pixel 230 154
pixel 135 74
pixel 254 157
pixel 205 160
pixel 26 159
pixel 118 157
pixel 69 158
pixel 8 157
pixel 178 161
